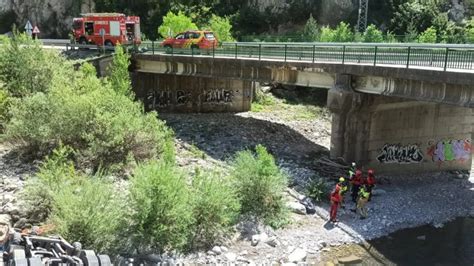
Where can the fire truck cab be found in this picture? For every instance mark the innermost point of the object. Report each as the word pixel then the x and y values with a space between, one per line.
pixel 106 29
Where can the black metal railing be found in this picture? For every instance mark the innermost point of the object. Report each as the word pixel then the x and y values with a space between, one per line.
pixel 437 56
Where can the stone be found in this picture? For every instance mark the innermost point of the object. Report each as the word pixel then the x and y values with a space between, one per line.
pixel 230 256
pixel 255 240
pixel 322 243
pixel 298 255
pixel 243 253
pixel 272 241
pixel 421 237
pixel 224 249
pixel 296 207
pixel 217 250
pixel 351 259
pixel 211 253
pixel 295 194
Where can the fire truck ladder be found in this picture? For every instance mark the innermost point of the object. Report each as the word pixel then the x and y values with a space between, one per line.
pixel 363 9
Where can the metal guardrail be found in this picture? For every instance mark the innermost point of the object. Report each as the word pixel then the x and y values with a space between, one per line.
pixel 437 56
pixel 452 57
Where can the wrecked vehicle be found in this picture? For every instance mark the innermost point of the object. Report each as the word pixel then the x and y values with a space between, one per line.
pixel 29 248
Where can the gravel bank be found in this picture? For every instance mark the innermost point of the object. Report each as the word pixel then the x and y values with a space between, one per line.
pixel 208 140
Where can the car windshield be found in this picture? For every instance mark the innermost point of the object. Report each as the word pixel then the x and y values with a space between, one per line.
pixel 210 36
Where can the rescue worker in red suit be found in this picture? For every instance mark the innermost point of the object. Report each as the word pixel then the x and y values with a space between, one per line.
pixel 370 182
pixel 335 201
pixel 356 182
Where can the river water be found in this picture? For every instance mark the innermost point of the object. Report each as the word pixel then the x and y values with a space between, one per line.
pixel 452 244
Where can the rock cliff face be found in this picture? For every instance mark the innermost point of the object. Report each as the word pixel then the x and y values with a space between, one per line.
pixel 53 17
pixel 334 11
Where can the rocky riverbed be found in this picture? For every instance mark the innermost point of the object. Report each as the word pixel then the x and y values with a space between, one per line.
pixel 209 140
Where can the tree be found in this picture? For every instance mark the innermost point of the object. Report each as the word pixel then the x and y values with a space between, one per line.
pixel 453 33
pixel 343 33
pixel 174 24
pixel 327 34
pixel 119 76
pixel 428 36
pixel 470 31
pixel 311 30
pixel 372 34
pixel 222 28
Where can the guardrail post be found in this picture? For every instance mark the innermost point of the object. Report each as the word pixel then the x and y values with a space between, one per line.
pixel 152 47
pixel 213 50
pixel 67 47
pixel 408 56
pixel 286 47
pixel 375 56
pixel 343 54
pixel 446 58
pixel 235 50
pixel 314 51
pixel 259 51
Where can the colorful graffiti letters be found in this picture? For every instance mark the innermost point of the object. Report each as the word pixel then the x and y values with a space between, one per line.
pixel 396 153
pixel 450 150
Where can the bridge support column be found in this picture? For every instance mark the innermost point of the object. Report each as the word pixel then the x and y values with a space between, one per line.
pixel 400 135
pixel 350 121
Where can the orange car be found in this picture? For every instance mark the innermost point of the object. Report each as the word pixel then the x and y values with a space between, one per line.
pixel 193 39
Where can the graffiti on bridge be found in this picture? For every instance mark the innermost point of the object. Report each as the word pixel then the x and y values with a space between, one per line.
pixel 450 150
pixel 157 99
pixel 182 97
pixel 218 96
pixel 396 153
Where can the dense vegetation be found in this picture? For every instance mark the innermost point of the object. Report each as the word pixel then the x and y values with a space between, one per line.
pixel 92 132
pixel 401 20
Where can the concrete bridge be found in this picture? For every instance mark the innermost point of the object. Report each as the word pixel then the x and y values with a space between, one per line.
pixel 395 107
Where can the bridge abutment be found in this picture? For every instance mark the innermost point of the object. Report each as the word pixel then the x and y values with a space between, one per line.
pixel 398 135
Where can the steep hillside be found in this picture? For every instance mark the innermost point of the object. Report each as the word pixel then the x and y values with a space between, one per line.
pixel 248 16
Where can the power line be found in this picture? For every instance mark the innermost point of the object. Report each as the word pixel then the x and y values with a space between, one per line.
pixel 363 10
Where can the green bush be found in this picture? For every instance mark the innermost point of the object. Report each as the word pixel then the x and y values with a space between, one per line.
pixel 4 102
pixel 160 213
pixel 317 189
pixel 215 208
pixel 88 212
pixel 79 207
pixel 119 76
pixel 55 172
pixel 103 126
pixel 428 36
pixel 26 68
pixel 372 34
pixel 260 185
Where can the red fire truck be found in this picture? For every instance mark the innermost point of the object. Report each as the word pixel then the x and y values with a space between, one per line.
pixel 106 29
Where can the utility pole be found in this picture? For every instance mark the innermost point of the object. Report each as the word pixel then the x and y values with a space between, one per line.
pixel 363 10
